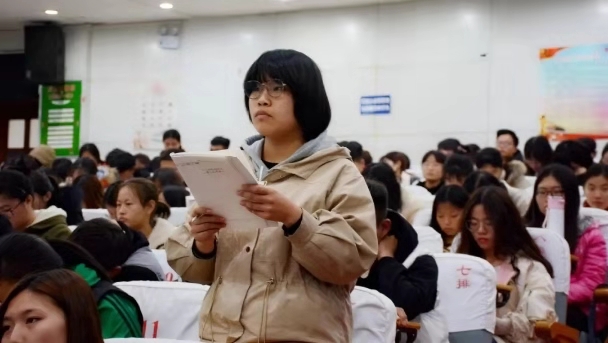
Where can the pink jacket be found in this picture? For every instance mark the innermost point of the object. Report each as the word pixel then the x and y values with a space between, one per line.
pixel 590 272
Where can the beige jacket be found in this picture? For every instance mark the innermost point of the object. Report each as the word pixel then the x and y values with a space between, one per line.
pixel 516 171
pixel 162 230
pixel 275 288
pixel 532 299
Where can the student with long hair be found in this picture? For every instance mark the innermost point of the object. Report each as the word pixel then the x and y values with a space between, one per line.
pixel 400 163
pixel 456 169
pixel 583 236
pixel 492 229
pixel 432 170
pixel 90 151
pixel 266 282
pixel 575 155
pixel 596 187
pixel 56 306
pixel 92 191
pixel 447 212
pixel 110 197
pixel 172 139
pixel 138 207
pixel 538 153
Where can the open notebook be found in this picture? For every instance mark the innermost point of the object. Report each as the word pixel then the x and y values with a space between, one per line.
pixel 214 178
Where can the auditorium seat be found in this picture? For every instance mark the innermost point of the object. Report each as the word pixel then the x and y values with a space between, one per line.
pixel 429 239
pixel 374 317
pixel 170 274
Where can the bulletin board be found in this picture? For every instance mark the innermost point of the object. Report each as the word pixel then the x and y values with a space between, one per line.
pixel 60 117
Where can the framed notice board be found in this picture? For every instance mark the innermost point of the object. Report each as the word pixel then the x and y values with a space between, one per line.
pixel 60 117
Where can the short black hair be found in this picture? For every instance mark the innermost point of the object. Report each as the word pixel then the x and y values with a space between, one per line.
pixel 175 195
pixel 356 149
pixel 568 152
pixel 384 174
pixel 449 144
pixel 538 148
pixel 305 82
pixel 439 157
pixel 458 166
pixel 167 177
pixel 22 254
pixel 15 185
pixel 62 167
pixel 589 143
pixel 172 133
pixel 85 165
pixel 124 162
pixel 41 183
pixel 143 159
pixel 91 149
pixel 480 179
pixel 100 236
pixel 165 155
pixel 222 141
pixel 380 198
pixel 111 194
pixel 111 157
pixel 22 163
pixel 488 156
pixel 510 133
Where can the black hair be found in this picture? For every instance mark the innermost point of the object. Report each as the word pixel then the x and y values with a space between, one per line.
pixel 449 144
pixel 124 162
pixel 589 143
pixel 472 149
pixel 100 236
pixel 356 149
pixel 91 149
pixel 572 152
pixel 146 191
pixel 111 194
pixel 458 166
pixel 5 226
pixel 384 174
pixel 85 166
pixel 305 83
pixel 22 254
pixel 566 178
pixel 175 196
pixel 219 140
pixel 488 156
pixel 41 183
pixel 397 156
pixel 143 159
pixel 111 157
pixel 167 177
pixel 367 157
pixel 439 157
pixel 453 195
pixel 605 150
pixel 62 167
pixel 596 170
pixel 510 133
pixel 479 179
pixel 380 198
pixel 15 185
pixel 172 133
pixel 25 164
pixel 165 155
pixel 538 148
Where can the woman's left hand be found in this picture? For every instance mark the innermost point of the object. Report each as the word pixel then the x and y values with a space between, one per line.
pixel 269 204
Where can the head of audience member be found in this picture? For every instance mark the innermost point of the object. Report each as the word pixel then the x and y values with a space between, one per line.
pixel 61 168
pixel 397 160
pixel 380 198
pixel 22 163
pixel 456 169
pixel 138 206
pixel 367 158
pixel 492 229
pixel 490 161
pixel 538 153
pixel 573 154
pixel 44 190
pixel 55 306
pixel 604 158
pixel 383 173
pixel 285 98
pixel 167 177
pixel 44 154
pixel 590 144
pixel 125 165
pixel 142 161
pixel 90 151
pixel 432 168
pixel 556 180
pixel 356 153
pixel 471 150
pixel 111 156
pixel 447 211
pixel 110 197
pixel 17 199
pixel 83 166
pixel 174 196
pixel 479 179
pixel 172 139
pixel 507 143
pixel 449 147
pixel 596 187
pixel 165 158
pixel 92 191
pixel 219 143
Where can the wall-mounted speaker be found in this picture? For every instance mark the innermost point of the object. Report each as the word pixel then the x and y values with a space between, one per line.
pixel 45 53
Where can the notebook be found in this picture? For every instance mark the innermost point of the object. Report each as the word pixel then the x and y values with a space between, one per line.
pixel 214 178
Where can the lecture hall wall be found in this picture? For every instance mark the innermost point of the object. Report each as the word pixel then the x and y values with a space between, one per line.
pixel 454 68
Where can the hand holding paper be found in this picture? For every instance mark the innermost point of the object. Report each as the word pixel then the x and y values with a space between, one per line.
pixel 204 226
pixel 269 204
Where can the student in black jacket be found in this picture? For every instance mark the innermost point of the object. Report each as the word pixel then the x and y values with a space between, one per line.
pixel 415 288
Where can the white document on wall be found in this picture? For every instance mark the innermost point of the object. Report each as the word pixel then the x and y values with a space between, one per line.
pixel 214 179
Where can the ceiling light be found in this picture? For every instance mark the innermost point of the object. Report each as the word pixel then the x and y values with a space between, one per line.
pixel 51 12
pixel 166 6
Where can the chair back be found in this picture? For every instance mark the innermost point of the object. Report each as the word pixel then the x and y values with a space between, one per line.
pixel 374 317
pixel 423 217
pixel 170 309
pixel 178 215
pixel 429 239
pixel 168 272
pixel 93 213
pixel 467 297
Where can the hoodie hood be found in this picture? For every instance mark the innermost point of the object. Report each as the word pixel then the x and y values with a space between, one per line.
pixel 407 238
pixel 50 223
pixel 323 148
pixel 48 213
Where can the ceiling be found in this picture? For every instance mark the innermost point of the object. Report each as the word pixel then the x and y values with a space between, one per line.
pixel 15 12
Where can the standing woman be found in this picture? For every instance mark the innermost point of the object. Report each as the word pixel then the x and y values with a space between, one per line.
pixel 432 170
pixel 172 139
pixel 267 282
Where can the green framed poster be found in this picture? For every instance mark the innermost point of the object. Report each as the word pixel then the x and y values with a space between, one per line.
pixel 60 117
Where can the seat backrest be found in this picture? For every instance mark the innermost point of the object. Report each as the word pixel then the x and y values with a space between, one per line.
pixel 92 213
pixel 170 309
pixel 429 239
pixel 467 297
pixel 170 274
pixel 374 317
pixel 178 215
pixel 423 217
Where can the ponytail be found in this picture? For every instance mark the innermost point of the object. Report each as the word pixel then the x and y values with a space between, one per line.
pixel 162 210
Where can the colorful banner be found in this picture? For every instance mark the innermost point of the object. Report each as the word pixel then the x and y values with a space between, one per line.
pixel 574 88
pixel 60 117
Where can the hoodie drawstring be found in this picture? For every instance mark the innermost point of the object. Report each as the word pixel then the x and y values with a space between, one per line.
pixel 209 315
pixel 264 322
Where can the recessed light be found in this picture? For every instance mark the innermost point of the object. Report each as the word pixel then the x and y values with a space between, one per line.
pixel 166 6
pixel 51 12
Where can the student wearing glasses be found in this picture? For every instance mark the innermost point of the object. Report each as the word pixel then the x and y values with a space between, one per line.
pixel 289 282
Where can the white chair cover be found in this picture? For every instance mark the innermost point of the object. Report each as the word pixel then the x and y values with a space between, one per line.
pixel 178 215
pixel 429 239
pixel 374 317
pixel 423 217
pixel 170 274
pixel 92 213
pixel 556 250
pixel 170 309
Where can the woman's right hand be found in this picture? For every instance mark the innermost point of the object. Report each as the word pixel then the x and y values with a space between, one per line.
pixel 203 227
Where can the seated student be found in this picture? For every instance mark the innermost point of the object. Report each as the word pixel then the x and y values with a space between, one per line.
pixel 164 177
pixel 48 193
pixel 356 153
pixel 24 164
pixel 456 169
pixel 450 146
pixel 174 196
pixel 590 144
pixel 583 236
pixel 432 170
pixel 90 151
pixel 110 197
pixel 507 143
pixel 447 212
pixel 44 154
pixel 596 187
pixel 61 169
pixel 413 288
pixel 131 258
pixel 513 172
pixel 166 162
pixel 142 166
pixel 219 143
pixel 493 230
pixel 83 166
pixel 478 179
pixel 125 165
pixel 574 155
pixel 400 163
pixel 92 191
pixel 17 203
pixel 138 207
pixel 23 254
pixel 538 153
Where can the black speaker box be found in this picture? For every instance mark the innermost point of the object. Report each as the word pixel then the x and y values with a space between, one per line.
pixel 44 54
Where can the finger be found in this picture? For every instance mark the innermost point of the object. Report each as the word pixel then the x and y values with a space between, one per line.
pixel 257 207
pixel 257 189
pixel 207 219
pixel 200 211
pixel 203 235
pixel 253 197
pixel 207 227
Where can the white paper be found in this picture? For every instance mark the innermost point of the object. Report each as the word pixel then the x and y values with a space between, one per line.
pixel 214 179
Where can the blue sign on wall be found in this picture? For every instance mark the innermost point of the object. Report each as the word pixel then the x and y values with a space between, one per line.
pixel 376 105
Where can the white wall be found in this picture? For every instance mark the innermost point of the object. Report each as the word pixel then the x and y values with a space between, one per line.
pixel 426 54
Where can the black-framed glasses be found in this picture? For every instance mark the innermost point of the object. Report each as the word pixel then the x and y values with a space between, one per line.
pixel 254 89
pixel 11 212
pixel 543 193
